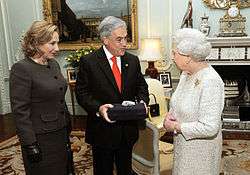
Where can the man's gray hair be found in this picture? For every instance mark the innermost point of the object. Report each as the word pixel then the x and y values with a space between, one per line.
pixel 109 24
pixel 193 43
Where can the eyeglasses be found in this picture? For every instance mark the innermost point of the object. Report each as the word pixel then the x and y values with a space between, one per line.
pixel 174 52
pixel 119 39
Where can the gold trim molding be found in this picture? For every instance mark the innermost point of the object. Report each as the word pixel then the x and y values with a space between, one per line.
pixel 225 4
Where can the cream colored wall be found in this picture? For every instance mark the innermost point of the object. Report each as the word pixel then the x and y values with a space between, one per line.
pixel 159 23
pixel 15 17
pixel 199 8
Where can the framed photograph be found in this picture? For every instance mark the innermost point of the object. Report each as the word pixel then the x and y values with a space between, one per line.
pixel 77 20
pixel 71 75
pixel 165 79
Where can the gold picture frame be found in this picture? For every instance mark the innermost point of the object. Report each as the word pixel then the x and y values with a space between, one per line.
pixel 81 33
pixel 225 4
pixel 71 75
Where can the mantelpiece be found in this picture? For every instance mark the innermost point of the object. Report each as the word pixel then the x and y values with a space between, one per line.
pixel 229 41
pixel 230 57
pixel 230 51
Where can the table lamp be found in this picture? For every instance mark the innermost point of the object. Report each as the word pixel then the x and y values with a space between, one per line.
pixel 150 52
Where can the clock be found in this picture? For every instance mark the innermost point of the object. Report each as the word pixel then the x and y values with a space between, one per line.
pixel 233 11
pixel 232 24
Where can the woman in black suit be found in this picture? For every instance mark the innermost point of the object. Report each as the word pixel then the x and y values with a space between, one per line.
pixel 37 92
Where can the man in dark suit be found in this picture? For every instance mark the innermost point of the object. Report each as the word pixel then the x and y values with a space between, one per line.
pixel 109 76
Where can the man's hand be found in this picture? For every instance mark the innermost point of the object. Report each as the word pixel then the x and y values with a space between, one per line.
pixel 146 107
pixel 103 112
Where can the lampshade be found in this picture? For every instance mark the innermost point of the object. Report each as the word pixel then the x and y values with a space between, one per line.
pixel 151 49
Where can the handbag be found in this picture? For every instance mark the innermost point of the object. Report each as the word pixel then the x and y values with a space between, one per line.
pixel 154 108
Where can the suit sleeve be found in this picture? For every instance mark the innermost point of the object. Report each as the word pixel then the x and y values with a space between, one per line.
pixel 83 95
pixel 141 85
pixel 210 110
pixel 68 119
pixel 20 98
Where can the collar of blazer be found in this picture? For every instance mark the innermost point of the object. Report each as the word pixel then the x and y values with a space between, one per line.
pixel 105 67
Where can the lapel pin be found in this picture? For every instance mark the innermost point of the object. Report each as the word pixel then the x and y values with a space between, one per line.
pixel 126 65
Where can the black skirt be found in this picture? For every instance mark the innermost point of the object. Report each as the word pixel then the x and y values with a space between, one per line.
pixel 54 155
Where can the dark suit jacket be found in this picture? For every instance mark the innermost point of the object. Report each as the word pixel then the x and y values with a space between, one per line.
pixel 96 86
pixel 37 99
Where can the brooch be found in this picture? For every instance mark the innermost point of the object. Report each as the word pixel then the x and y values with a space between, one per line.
pixel 197 82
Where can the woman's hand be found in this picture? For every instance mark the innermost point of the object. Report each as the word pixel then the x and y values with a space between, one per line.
pixel 171 124
pixel 34 153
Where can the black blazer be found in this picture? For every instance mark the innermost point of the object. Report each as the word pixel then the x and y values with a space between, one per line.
pixel 37 99
pixel 96 86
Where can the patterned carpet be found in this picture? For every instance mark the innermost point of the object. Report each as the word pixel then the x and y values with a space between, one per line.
pixel 236 156
pixel 11 159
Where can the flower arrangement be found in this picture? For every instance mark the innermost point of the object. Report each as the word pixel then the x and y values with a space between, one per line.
pixel 73 58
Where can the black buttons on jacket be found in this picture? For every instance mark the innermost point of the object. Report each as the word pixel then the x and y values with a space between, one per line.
pixel 62 101
pixel 48 66
pixel 61 88
pixel 55 77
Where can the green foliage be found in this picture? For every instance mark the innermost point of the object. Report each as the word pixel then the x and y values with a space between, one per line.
pixel 73 59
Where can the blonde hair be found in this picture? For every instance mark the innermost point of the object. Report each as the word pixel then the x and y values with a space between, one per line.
pixel 40 32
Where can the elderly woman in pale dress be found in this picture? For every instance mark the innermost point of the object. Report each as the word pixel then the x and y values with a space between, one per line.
pixel 195 107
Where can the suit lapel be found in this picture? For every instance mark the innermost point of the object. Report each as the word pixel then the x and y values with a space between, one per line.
pixel 105 67
pixel 124 70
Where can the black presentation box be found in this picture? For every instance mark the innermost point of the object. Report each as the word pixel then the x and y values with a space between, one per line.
pixel 125 113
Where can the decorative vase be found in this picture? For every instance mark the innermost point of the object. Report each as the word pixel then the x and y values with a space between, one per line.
pixel 204 27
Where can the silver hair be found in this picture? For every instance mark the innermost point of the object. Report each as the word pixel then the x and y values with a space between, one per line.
pixel 109 24
pixel 193 43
